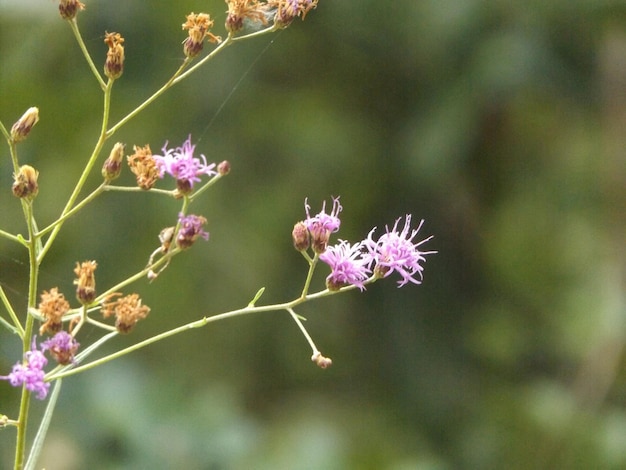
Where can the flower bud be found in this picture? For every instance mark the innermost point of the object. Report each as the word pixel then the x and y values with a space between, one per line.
pixel 190 229
pixel 321 361
pixel 25 185
pixel 85 282
pixel 223 168
pixel 301 237
pixel 22 127
pixel 114 64
pixel 113 165
pixel 69 8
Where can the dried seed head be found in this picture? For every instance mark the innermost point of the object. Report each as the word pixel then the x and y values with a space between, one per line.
pixel 241 10
pixel 22 127
pixel 198 27
pixel 143 165
pixel 114 64
pixel 52 307
pixel 128 311
pixel 85 281
pixel 25 184
pixel 70 8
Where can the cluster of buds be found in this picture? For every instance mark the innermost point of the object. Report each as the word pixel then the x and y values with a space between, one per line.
pixel 366 260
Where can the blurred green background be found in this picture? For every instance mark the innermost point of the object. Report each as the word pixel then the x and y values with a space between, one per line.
pixel 502 123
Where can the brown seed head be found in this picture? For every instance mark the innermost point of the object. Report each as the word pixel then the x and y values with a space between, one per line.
pixel 114 64
pixel 128 311
pixel 85 281
pixel 52 307
pixel 143 165
pixel 198 27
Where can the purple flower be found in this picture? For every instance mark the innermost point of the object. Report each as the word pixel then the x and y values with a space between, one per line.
pixel 182 165
pixel 348 267
pixel 322 225
pixel 62 347
pixel 30 373
pixel 396 251
pixel 190 229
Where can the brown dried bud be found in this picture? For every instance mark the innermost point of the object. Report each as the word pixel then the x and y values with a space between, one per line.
pixel 301 237
pixel 25 183
pixel 85 282
pixel 114 64
pixel 113 165
pixel 52 307
pixel 22 127
pixel 198 27
pixel 143 165
pixel 321 361
pixel 70 8
pixel 128 311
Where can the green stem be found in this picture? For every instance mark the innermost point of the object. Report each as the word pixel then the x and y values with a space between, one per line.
pixel 86 171
pixel 83 48
pixel 35 449
pixel 309 275
pixel 17 328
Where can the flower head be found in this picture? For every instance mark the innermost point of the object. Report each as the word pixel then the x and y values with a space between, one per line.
pixel 143 165
pixel 52 307
pixel 114 63
pixel 25 183
pixel 180 163
pixel 348 267
pixel 322 224
pixel 288 10
pixel 62 347
pixel 69 8
pixel 396 251
pixel 128 310
pixel 23 126
pixel 85 281
pixel 113 165
pixel 30 372
pixel 190 229
pixel 241 10
pixel 198 27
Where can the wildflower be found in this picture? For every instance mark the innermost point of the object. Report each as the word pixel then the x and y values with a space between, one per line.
pixel 128 311
pixel 30 372
pixel 22 127
pixel 198 27
pixel 396 251
pixel 182 165
pixel 62 347
pixel 114 64
pixel 241 10
pixel 86 281
pixel 70 8
pixel 190 229
pixel 301 237
pixel 143 165
pixel 52 306
pixel 288 10
pixel 347 265
pixel 25 184
pixel 113 165
pixel 322 224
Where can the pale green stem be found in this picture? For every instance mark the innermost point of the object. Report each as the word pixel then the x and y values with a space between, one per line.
pixel 309 275
pixel 87 170
pixel 204 187
pixel 83 48
pixel 35 449
pixel 296 318
pixel 12 237
pixel 18 328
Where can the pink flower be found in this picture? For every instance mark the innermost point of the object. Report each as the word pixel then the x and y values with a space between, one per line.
pixel 348 267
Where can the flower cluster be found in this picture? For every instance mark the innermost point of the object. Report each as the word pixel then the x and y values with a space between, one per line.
pixel 181 164
pixel 30 372
pixel 280 12
pixel 367 260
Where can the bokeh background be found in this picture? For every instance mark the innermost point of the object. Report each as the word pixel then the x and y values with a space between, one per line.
pixel 502 123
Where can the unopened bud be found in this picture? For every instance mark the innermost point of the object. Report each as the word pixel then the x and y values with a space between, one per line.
pixel 321 361
pixel 301 237
pixel 114 64
pixel 113 165
pixel 22 127
pixel 223 168
pixel 25 185
pixel 70 8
